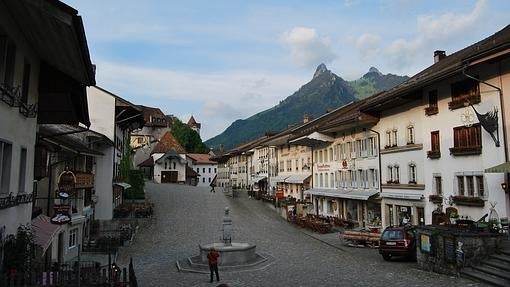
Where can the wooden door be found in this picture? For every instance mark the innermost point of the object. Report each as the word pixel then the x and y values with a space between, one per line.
pixel 169 176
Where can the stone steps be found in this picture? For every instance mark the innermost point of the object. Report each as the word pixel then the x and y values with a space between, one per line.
pixel 494 271
pixel 480 276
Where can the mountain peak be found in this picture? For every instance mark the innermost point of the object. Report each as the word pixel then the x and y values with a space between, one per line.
pixel 374 70
pixel 321 69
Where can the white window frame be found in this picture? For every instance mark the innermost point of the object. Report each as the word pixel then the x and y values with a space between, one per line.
pixel 73 238
pixel 5 166
pixel 412 173
pixel 411 135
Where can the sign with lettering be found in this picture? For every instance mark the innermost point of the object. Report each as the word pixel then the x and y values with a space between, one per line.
pixel 425 243
pixel 10 201
pixel 323 167
pixel 84 180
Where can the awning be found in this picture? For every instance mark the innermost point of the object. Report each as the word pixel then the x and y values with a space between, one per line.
pixel 397 195
pixel 359 195
pixel 501 168
pixel 257 178
pixel 297 178
pixel 279 178
pixel 124 185
pixel 44 231
pixel 313 139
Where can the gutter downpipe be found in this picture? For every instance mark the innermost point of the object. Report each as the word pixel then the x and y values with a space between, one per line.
pixel 503 120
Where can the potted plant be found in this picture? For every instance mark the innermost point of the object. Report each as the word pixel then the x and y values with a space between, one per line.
pixel 468 200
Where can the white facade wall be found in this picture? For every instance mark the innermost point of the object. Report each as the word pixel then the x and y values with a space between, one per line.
pixel 18 130
pixel 449 166
pixel 406 153
pixel 206 172
pixel 291 160
pixel 103 184
pixel 180 167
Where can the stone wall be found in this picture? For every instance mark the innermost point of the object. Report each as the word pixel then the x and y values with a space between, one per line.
pixel 443 256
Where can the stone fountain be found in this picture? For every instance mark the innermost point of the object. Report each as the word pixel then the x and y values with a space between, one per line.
pixel 233 255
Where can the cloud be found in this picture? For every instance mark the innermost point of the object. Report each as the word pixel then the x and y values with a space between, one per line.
pixel 214 99
pixel 433 31
pixel 368 45
pixel 307 48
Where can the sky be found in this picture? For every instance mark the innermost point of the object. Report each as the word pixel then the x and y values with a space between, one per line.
pixel 226 60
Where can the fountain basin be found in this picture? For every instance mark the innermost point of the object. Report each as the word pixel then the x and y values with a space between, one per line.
pixel 234 254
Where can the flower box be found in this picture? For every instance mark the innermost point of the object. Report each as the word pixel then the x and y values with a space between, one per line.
pixel 461 151
pixel 468 201
pixel 431 110
pixel 433 154
pixel 436 198
pixel 460 101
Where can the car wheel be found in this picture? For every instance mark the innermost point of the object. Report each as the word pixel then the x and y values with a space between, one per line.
pixel 386 256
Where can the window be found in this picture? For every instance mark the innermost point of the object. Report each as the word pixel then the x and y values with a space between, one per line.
pixel 326 181
pixel 214 170
pixel 297 164
pixel 433 98
pixel 464 89
pixel 203 179
pixel 5 166
pixel 434 141
pixel 198 170
pixel 22 170
pixel 289 165
pixel 412 173
pixel 331 180
pixel 388 138
pixel 330 154
pixel 460 185
pixel 470 186
pixel 209 170
pixel 140 140
pixel 410 134
pixel 432 109
pixel 7 61
pixel 320 156
pixel 438 185
pixel 209 179
pixel 396 174
pixel 174 164
pixel 467 136
pixel 26 82
pixel 389 174
pixel 394 137
pixel 480 186
pixel 372 149
pixel 73 237
pixel 321 179
pixel 203 169
pixel 166 165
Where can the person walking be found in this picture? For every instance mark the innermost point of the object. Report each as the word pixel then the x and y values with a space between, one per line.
pixel 212 257
pixel 212 187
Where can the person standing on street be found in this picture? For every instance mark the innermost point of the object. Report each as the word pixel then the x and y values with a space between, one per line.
pixel 212 257
pixel 212 187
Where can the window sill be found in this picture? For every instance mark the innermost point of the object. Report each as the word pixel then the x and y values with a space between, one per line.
pixel 464 151
pixel 404 186
pixel 409 147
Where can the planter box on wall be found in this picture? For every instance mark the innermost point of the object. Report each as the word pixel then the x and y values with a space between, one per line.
pixel 460 151
pixel 468 201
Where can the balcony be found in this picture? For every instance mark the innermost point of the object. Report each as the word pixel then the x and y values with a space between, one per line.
pixel 464 151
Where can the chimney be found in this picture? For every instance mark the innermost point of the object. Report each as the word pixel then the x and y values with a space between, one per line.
pixel 439 55
pixel 307 118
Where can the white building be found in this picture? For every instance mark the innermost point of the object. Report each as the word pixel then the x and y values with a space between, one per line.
pixel 170 161
pixel 113 117
pixel 40 82
pixel 204 166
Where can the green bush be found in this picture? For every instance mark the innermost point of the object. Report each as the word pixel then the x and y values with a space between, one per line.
pixel 135 179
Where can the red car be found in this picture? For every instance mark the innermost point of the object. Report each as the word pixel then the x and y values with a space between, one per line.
pixel 398 241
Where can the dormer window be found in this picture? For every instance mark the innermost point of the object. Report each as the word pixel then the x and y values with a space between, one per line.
pixel 464 91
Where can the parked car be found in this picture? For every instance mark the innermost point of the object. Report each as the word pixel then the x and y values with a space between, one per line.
pixel 398 241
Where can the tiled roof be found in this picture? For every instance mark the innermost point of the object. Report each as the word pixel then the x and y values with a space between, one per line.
pixel 168 142
pixel 147 163
pixel 201 158
pixel 190 172
pixel 193 123
pixel 151 113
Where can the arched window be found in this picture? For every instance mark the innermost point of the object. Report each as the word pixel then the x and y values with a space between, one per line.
pixel 412 173
pixel 410 134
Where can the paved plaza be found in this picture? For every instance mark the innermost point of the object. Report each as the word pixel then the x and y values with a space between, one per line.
pixel 186 216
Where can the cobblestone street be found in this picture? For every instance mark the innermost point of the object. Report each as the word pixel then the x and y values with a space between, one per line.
pixel 186 216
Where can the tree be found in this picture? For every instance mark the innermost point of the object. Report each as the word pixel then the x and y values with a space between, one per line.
pixel 189 139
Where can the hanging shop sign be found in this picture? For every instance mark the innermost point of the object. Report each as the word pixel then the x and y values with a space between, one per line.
pixel 66 184
pixel 279 194
pixel 61 214
pixel 11 200
pixel 84 180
